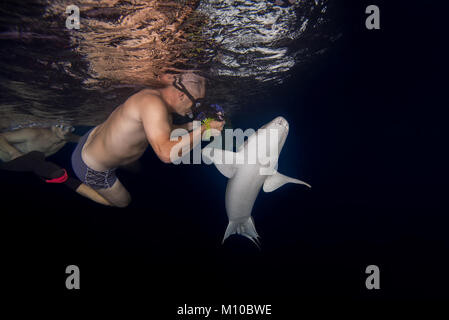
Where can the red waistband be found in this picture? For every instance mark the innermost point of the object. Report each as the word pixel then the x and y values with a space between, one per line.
pixel 61 179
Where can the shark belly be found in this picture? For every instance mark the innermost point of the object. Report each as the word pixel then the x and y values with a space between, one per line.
pixel 246 177
pixel 241 193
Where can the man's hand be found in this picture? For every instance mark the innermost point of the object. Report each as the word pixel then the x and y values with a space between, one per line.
pixel 212 128
pixel 217 125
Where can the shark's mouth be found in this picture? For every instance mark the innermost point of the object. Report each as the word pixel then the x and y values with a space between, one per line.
pixel 282 122
pixel 279 124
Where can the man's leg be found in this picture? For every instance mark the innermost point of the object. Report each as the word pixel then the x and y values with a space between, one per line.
pixel 117 195
pixel 105 183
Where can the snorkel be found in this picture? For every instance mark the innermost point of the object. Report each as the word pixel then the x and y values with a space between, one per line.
pixel 201 109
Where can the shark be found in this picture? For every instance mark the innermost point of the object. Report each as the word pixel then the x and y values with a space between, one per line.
pixel 251 168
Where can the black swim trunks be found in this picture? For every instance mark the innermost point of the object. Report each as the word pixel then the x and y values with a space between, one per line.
pixel 94 179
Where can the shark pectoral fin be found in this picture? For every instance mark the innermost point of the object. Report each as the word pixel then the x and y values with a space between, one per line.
pixel 278 180
pixel 246 229
pixel 224 160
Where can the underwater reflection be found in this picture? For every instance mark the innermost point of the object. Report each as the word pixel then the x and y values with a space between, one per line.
pixel 49 72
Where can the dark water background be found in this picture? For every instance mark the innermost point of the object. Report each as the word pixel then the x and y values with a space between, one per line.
pixel 366 131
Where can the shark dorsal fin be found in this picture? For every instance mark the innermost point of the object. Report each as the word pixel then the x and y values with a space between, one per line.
pixel 226 161
pixel 278 180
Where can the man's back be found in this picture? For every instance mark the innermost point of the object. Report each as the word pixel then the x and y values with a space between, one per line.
pixel 121 139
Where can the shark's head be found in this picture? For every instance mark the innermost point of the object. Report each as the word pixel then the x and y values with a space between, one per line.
pixel 270 140
pixel 280 125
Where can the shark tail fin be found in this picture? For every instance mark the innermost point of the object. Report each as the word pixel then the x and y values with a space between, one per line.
pixel 245 228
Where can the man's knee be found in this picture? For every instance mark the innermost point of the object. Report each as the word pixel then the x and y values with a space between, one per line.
pixel 122 203
pixel 118 196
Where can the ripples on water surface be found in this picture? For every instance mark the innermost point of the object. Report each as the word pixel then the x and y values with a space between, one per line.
pixel 50 73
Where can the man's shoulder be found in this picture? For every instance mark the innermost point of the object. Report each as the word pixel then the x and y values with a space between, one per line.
pixel 148 100
pixel 148 95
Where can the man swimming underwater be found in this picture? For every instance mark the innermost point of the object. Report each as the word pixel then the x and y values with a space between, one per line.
pixel 144 118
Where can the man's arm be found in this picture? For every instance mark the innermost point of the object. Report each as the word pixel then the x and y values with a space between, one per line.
pixel 187 126
pixel 156 122
pixel 12 137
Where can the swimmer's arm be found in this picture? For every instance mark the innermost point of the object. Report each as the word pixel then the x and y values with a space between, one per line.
pixel 8 149
pixel 21 135
pixel 187 126
pixel 156 123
